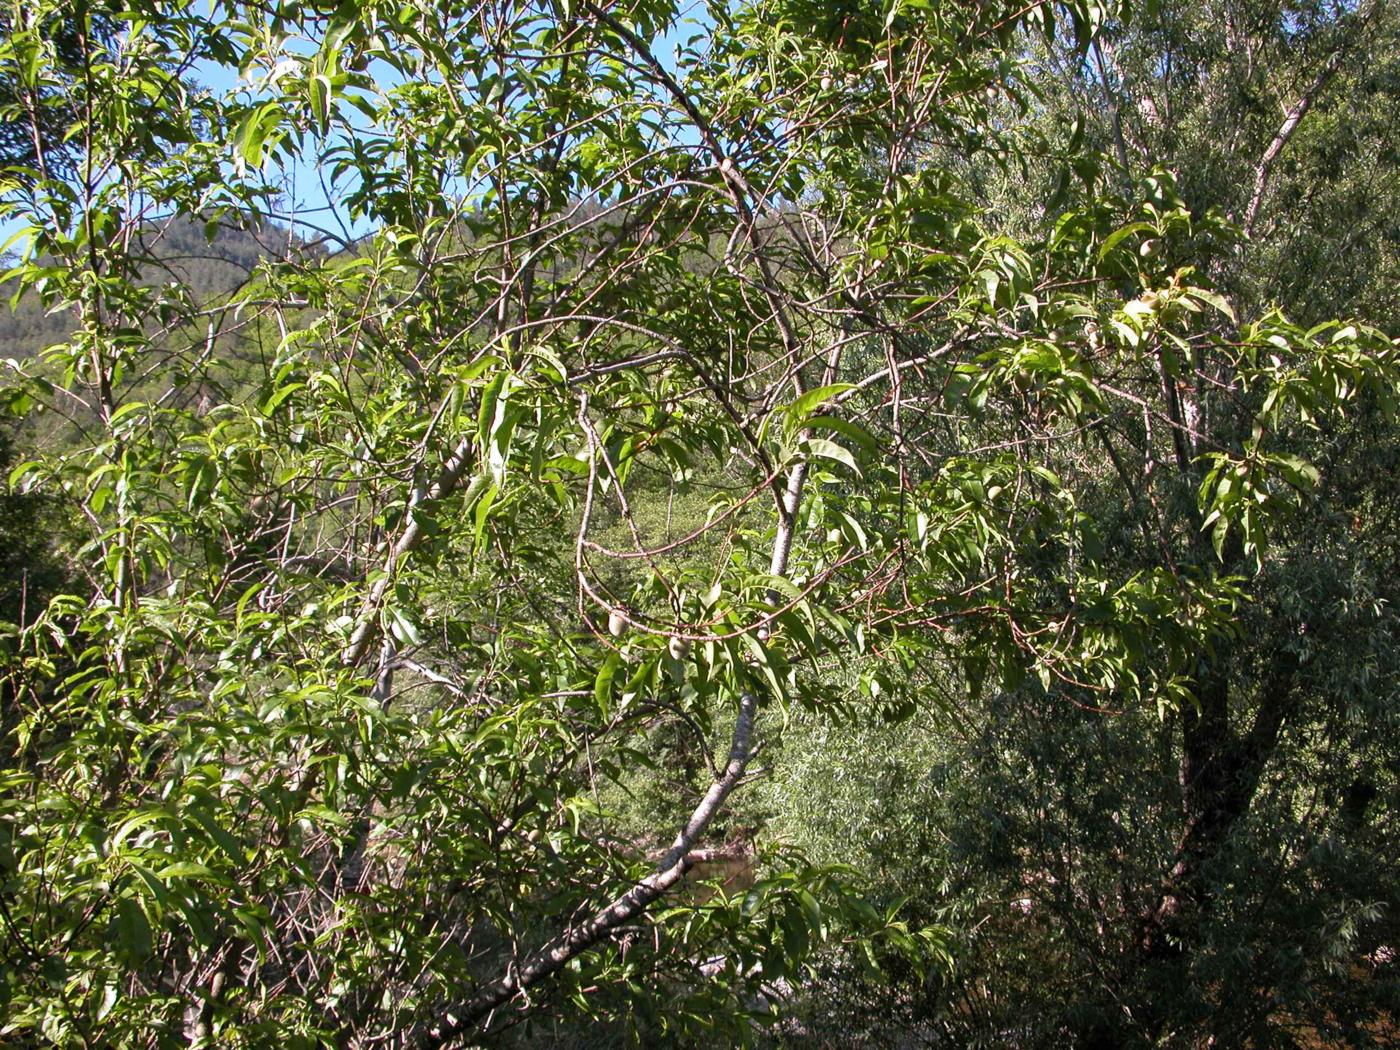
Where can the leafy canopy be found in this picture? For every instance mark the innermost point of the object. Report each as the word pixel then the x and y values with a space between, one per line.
pixel 370 632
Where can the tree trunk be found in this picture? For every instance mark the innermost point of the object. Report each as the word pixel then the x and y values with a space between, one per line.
pixel 1220 771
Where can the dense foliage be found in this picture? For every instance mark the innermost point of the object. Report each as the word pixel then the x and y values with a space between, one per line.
pixel 798 523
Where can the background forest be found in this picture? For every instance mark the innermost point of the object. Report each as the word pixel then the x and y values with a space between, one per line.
pixel 777 523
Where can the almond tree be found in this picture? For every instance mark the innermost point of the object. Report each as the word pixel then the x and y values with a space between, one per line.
pixel 321 754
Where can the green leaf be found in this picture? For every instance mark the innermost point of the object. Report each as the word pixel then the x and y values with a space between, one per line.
pixel 186 869
pixel 602 685
pixel 809 402
pixel 253 131
pixel 1118 236
pixel 852 432
pixel 403 629
pixel 816 446
pixel 131 930
pixel 319 87
pixel 201 478
pixel 1213 299
pixel 227 844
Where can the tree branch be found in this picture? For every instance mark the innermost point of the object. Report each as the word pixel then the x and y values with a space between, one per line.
pixel 669 871
pixel 1294 116
pixel 448 478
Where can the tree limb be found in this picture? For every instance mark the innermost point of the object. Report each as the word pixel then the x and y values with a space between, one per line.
pixel 1294 116
pixel 669 871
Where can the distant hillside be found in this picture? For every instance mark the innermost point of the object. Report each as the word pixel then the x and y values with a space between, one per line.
pixel 180 251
